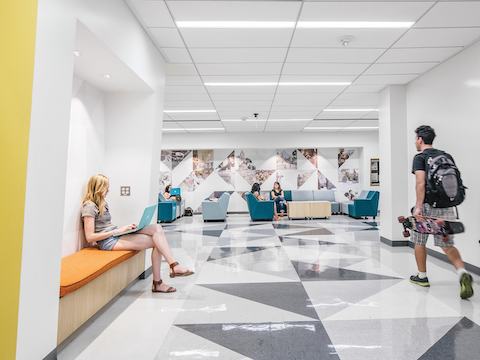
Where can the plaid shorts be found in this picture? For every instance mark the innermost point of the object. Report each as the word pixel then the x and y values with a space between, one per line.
pixel 446 214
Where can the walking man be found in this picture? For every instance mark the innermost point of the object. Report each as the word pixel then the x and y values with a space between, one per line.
pixel 422 164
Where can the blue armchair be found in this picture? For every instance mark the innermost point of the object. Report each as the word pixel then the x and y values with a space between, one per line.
pixel 259 210
pixel 167 209
pixel 216 210
pixel 365 207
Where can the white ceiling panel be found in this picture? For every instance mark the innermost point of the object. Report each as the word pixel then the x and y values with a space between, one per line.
pixel 384 79
pixel 180 69
pixel 238 55
pixel 340 55
pixel 240 69
pixel 179 89
pixel 194 116
pixel 244 126
pixel 362 38
pixel 345 115
pixel 164 37
pixel 285 126
pixel 243 104
pixel 188 104
pixel 419 54
pixel 201 124
pixel 452 14
pixel 439 37
pixel 239 78
pixel 370 115
pixel 364 123
pixel 152 13
pixel 331 123
pixel 176 55
pixel 357 99
pixel 183 80
pixel 222 38
pixel 234 10
pixel 238 114
pixel 323 69
pixel 186 96
pixel 171 125
pixel 364 11
pixel 242 96
pixel 374 88
pixel 400 68
pixel 304 99
pixel 318 78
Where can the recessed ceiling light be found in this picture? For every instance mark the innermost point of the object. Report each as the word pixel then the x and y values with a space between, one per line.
pixel 189 111
pixel 236 24
pixel 350 110
pixel 355 24
pixel 283 83
pixel 107 76
pixel 291 24
pixel 77 53
pixel 335 128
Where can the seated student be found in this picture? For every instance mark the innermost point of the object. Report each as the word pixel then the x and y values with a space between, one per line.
pixel 166 193
pixel 279 197
pixel 256 192
pixel 99 229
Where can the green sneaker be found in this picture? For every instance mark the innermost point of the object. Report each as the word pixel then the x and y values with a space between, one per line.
pixel 415 279
pixel 466 289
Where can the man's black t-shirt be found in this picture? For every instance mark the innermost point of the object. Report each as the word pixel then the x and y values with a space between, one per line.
pixel 420 160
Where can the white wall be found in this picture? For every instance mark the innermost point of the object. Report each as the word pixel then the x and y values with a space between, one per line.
pixel 86 152
pixel 368 140
pixel 448 99
pixel 113 23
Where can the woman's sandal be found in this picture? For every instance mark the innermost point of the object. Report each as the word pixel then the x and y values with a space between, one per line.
pixel 158 283
pixel 174 274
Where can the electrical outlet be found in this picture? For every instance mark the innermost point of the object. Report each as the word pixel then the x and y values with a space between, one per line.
pixel 124 190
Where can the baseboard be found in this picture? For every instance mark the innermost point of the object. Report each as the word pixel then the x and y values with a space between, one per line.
pixel 440 256
pixel 52 355
pixel 394 243
pixel 145 274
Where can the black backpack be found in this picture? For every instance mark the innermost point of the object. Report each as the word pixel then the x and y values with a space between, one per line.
pixel 444 184
pixel 188 211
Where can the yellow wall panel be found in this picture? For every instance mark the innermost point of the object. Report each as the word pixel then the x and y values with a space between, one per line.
pixel 17 49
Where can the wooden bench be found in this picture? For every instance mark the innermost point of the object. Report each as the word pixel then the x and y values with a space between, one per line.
pixel 89 279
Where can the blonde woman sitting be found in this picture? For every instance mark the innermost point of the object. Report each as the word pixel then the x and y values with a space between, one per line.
pixel 99 229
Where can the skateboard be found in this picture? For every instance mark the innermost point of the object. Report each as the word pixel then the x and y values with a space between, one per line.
pixel 430 225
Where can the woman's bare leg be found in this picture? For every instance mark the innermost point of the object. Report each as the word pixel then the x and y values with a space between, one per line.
pixel 158 236
pixel 142 242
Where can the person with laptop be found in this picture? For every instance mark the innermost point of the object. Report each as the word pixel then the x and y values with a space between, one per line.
pixel 99 229
pixel 169 195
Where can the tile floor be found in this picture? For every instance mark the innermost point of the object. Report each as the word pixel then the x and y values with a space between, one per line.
pixel 319 289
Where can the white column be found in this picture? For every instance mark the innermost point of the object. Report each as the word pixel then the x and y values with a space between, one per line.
pixel 394 164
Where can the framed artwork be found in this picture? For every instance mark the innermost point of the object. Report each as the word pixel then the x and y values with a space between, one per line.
pixel 375 172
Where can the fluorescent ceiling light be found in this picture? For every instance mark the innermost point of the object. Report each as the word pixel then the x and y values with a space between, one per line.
pixel 283 83
pixel 291 24
pixel 189 111
pixel 350 110
pixel 236 24
pixel 332 128
pixel 355 24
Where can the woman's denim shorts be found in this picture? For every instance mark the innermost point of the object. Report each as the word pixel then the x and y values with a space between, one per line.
pixel 108 244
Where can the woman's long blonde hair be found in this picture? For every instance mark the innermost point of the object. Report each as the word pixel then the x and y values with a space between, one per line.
pixel 97 188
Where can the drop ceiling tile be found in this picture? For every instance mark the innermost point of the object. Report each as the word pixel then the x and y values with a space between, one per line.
pixel 234 10
pixel 238 113
pixel 339 116
pixel 183 80
pixel 362 38
pixel 222 38
pixel 240 69
pixel 188 104
pixel 241 78
pixel 340 55
pixel 304 99
pixel 439 37
pixel 164 37
pixel 176 55
pixel 357 99
pixel 238 55
pixel 318 78
pixel 194 116
pixel 201 124
pixel 365 123
pixel 180 69
pixel 152 13
pixel 242 104
pixel 185 96
pixel 281 126
pixel 400 68
pixel 185 89
pixel 374 88
pixel 364 10
pixel 384 79
pixel 331 123
pixel 452 14
pixel 244 126
pixel 419 54
pixel 323 69
pixel 237 96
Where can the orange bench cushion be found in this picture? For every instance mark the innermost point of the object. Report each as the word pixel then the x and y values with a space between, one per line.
pixel 87 264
